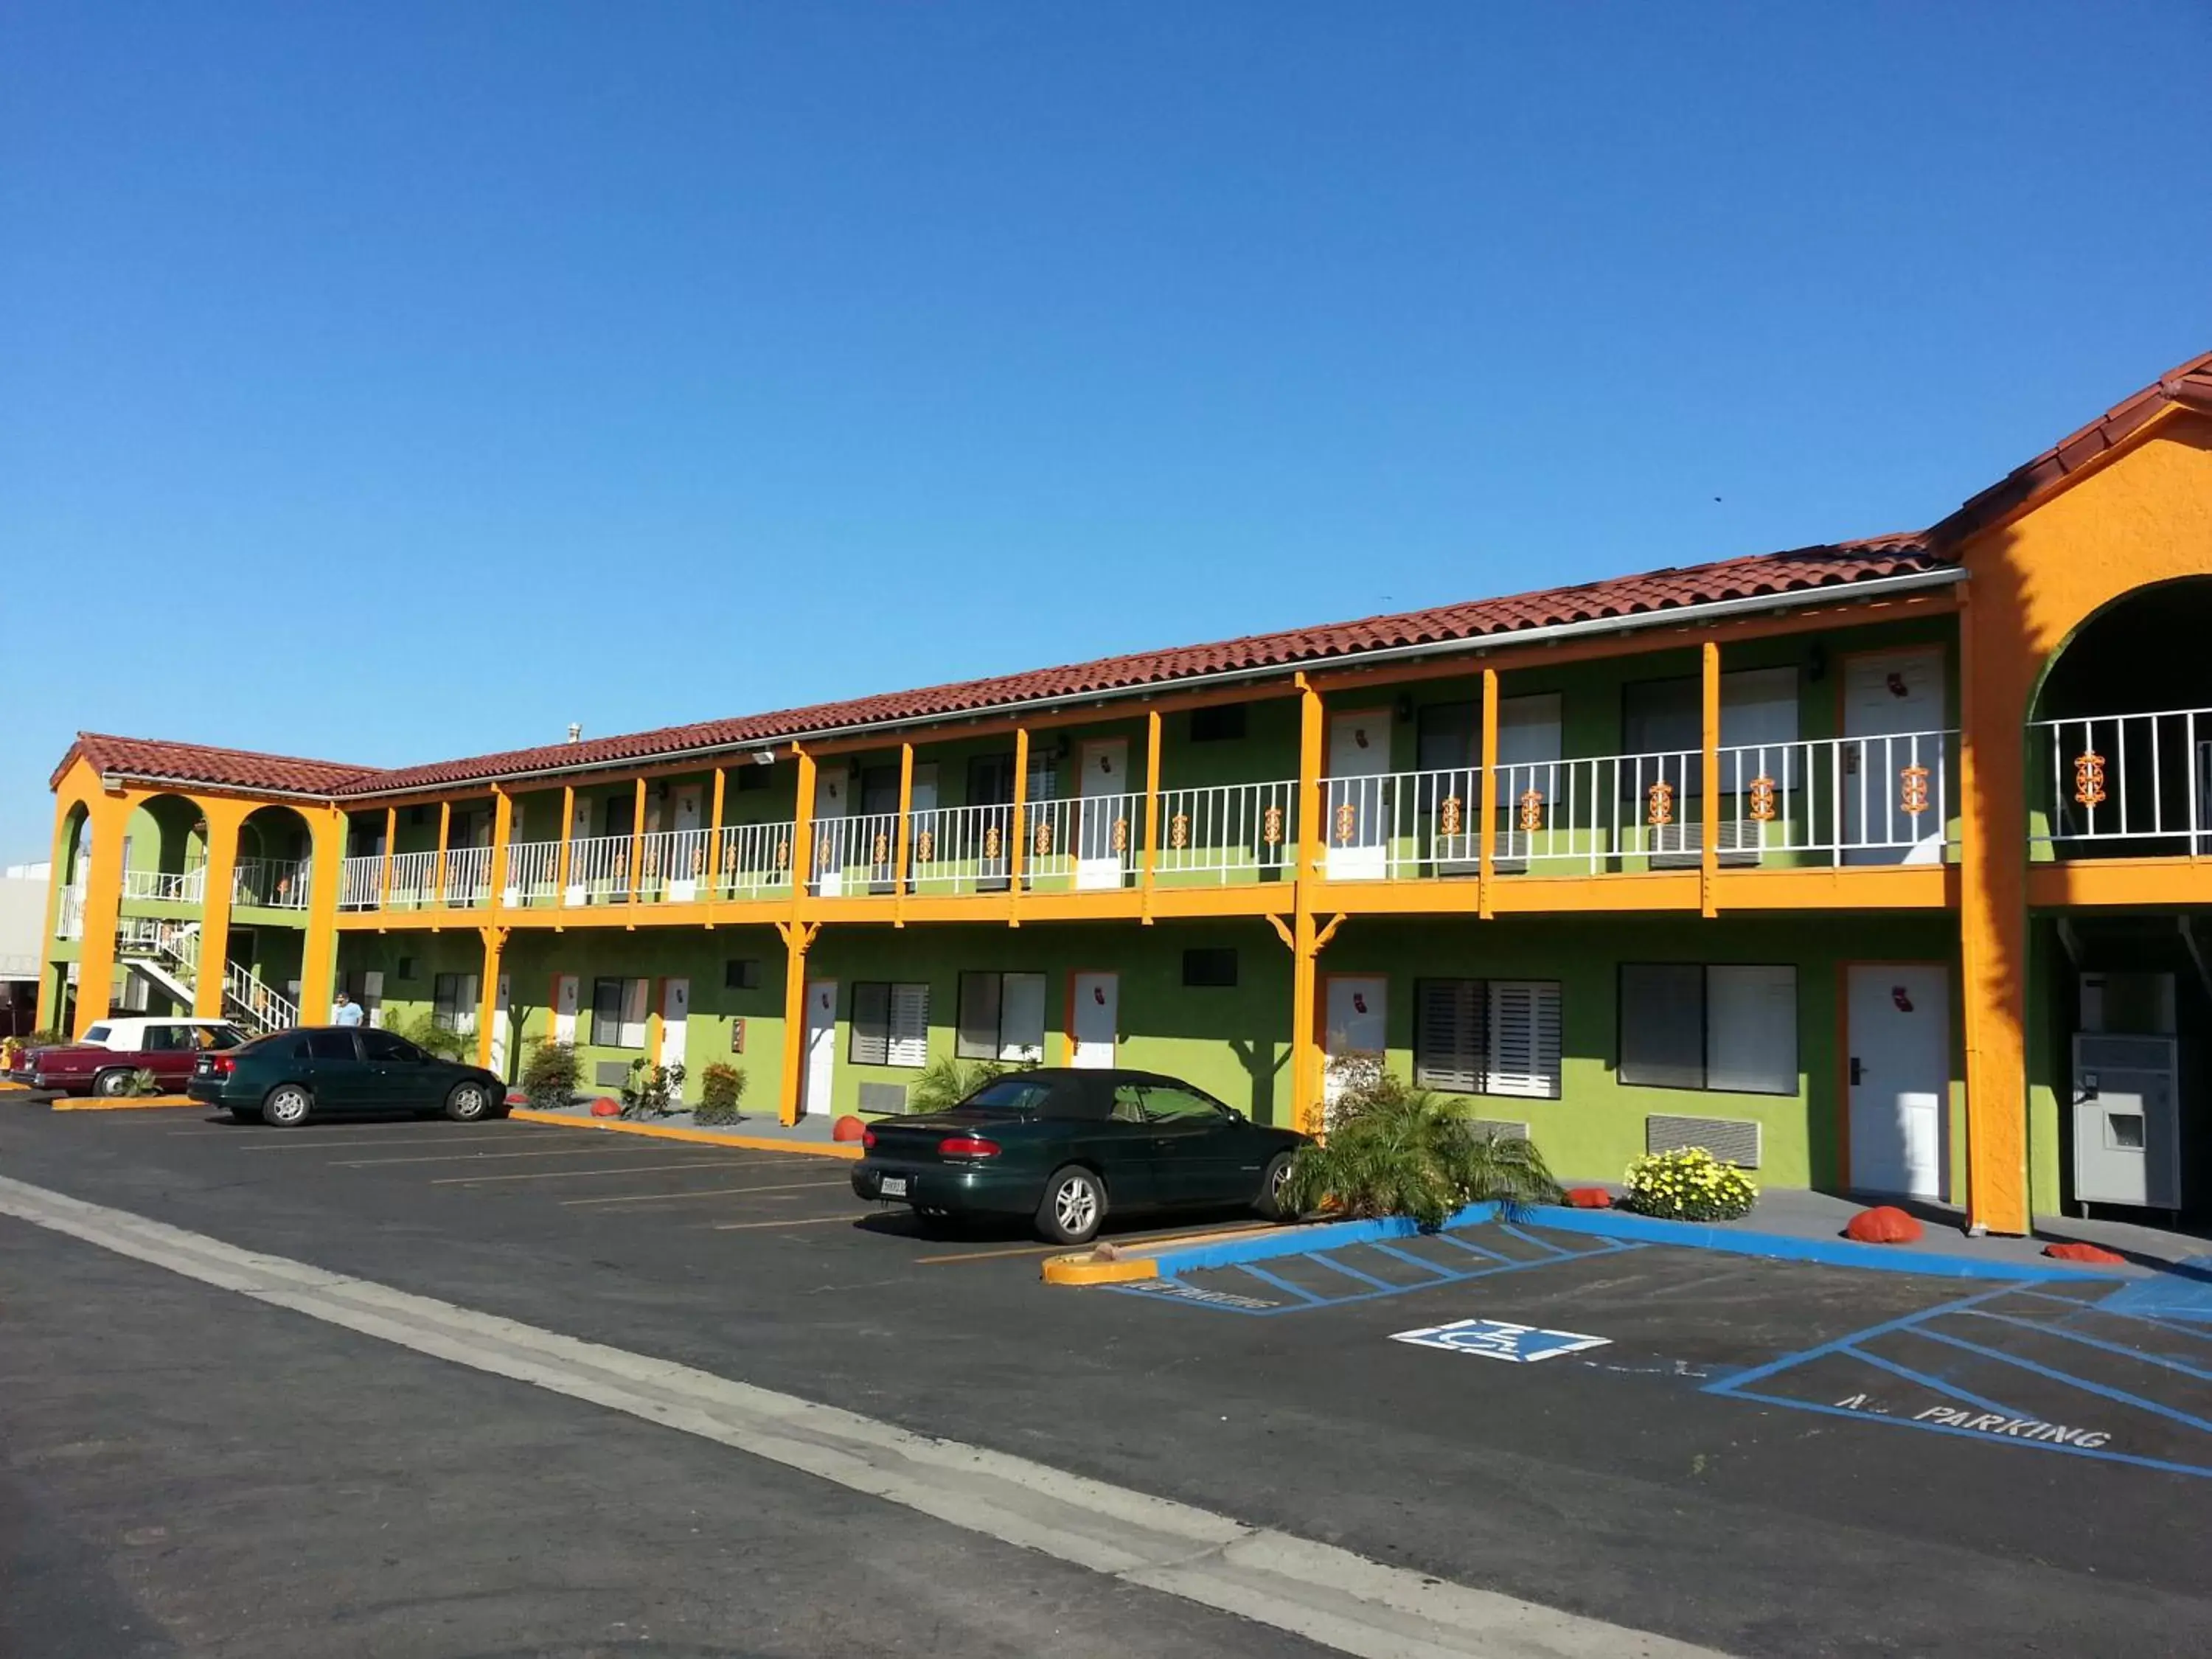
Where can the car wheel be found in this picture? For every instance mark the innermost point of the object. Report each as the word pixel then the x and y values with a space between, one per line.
pixel 245 1114
pixel 287 1107
pixel 112 1085
pixel 1073 1208
pixel 468 1102
pixel 1269 1203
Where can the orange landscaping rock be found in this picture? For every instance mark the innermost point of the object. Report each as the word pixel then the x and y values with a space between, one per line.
pixel 1884 1224
pixel 2071 1251
pixel 606 1106
pixel 1589 1198
pixel 847 1127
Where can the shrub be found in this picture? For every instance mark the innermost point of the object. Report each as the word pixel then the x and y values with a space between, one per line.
pixel 143 1082
pixel 1394 1149
pixel 946 1082
pixel 550 1076
pixel 721 1086
pixel 425 1033
pixel 1688 1184
pixel 651 1090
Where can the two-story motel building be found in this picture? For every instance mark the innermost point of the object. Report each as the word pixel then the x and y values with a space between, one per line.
pixel 1877 865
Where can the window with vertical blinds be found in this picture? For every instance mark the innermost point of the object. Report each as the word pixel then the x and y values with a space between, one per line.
pixel 1488 1036
pixel 1731 1029
pixel 890 1023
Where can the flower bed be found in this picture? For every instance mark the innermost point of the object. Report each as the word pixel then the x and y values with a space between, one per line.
pixel 1689 1184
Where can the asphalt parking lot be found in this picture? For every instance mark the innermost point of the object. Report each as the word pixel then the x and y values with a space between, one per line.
pixel 1696 1472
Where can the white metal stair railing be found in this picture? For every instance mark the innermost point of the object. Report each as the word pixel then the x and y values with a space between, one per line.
pixel 671 865
pixel 70 923
pixel 171 950
pixel 598 871
pixel 533 872
pixel 411 876
pixel 468 877
pixel 959 849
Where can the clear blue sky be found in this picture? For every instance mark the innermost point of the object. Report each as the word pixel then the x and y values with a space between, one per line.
pixel 391 382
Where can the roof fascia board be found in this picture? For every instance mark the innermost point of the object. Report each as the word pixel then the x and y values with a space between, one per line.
pixel 1681 616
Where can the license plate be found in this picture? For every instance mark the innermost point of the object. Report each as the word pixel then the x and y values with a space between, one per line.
pixel 892 1187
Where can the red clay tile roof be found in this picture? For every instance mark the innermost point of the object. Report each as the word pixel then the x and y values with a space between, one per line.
pixel 1767 575
pixel 2189 386
pixel 195 762
pixel 1764 576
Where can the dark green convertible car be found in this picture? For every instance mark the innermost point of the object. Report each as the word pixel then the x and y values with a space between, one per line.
pixel 1065 1146
pixel 315 1070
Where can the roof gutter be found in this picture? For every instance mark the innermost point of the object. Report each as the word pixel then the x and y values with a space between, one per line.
pixel 1683 615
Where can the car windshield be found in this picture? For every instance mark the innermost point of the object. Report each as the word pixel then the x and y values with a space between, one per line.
pixel 220 1037
pixel 98 1034
pixel 1014 1096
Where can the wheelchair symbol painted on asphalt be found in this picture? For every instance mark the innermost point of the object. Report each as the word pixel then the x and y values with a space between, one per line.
pixel 1497 1339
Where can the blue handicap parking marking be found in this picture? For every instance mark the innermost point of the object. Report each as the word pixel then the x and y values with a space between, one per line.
pixel 2090 1375
pixel 1255 1288
pixel 1498 1338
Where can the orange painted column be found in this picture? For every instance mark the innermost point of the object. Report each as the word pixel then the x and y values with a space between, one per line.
pixel 1486 829
pixel 223 818
pixel 318 962
pixel 797 936
pixel 49 1009
pixel 1993 688
pixel 109 815
pixel 1307 1092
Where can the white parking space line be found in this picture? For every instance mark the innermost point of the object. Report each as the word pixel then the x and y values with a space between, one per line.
pixel 449 1157
pixel 290 1144
pixel 848 1219
pixel 1317 1591
pixel 708 1163
pixel 707 1192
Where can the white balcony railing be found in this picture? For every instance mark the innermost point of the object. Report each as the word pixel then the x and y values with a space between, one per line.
pixel 598 871
pixel 854 854
pixel 960 849
pixel 2108 785
pixel 165 887
pixel 1090 843
pixel 534 873
pixel 360 882
pixel 412 876
pixel 272 884
pixel 468 878
pixel 671 866
pixel 1873 800
pixel 70 922
pixel 1225 833
pixel 757 860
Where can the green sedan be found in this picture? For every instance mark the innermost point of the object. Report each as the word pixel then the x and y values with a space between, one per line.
pixel 318 1070
pixel 1065 1146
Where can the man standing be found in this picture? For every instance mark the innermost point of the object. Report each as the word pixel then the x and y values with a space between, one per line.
pixel 347 1012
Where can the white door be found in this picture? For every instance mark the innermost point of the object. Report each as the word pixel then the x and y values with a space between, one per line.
pixel 833 802
pixel 565 989
pixel 1355 1031
pixel 1891 699
pixel 499 992
pixel 372 996
pixel 2127 1134
pixel 687 855
pixel 1106 830
pixel 821 1043
pixel 1357 823
pixel 1094 1019
pixel 1899 1045
pixel 675 1020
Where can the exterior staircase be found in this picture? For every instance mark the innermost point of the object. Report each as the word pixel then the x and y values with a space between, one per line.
pixel 166 955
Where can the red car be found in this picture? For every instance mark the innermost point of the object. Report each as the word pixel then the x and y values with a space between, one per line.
pixel 102 1064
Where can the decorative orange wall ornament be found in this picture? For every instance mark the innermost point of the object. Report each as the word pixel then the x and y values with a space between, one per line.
pixel 1660 800
pixel 1762 800
pixel 2089 779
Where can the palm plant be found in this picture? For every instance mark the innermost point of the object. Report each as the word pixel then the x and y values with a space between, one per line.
pixel 1395 1149
pixel 946 1082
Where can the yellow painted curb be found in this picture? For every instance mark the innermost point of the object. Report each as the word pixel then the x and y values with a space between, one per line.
pixel 128 1103
pixel 843 1149
pixel 1087 1269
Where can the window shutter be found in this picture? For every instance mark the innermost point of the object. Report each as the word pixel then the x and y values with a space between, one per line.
pixel 1663 1024
pixel 1751 1030
pixel 1524 1039
pixel 1449 1044
pixel 979 1017
pixel 908 1044
pixel 1021 1017
pixel 871 1002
